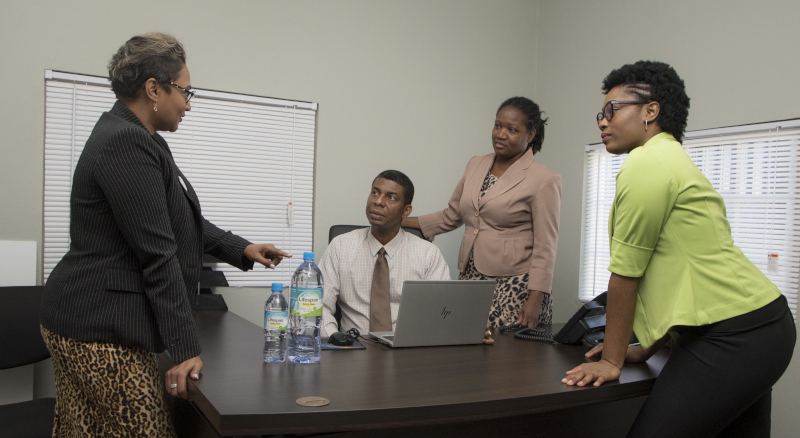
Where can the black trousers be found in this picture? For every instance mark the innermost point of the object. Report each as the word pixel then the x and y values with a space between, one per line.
pixel 718 379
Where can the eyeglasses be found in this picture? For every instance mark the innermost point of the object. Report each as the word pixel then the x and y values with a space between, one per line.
pixel 188 94
pixel 608 110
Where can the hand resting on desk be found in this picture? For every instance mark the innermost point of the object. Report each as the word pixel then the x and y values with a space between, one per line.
pixel 597 372
pixel 601 371
pixel 635 353
pixel 178 374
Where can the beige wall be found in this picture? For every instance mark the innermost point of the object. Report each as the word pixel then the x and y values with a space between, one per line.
pixel 410 85
pixel 740 61
pixel 413 85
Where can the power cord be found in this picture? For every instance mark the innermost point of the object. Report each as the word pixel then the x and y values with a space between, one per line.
pixel 537 334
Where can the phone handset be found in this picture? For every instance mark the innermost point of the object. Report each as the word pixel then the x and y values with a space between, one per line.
pixel 587 324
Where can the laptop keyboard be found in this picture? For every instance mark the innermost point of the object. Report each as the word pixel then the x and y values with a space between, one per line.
pixel 389 337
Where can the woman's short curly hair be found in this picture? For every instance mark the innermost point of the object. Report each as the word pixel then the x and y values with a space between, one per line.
pixel 534 119
pixel 151 55
pixel 654 81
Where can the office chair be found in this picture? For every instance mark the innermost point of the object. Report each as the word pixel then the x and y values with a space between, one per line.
pixel 341 229
pixel 210 278
pixel 21 344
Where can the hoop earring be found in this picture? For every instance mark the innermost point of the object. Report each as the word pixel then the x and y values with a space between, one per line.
pixel 645 126
pixel 155 108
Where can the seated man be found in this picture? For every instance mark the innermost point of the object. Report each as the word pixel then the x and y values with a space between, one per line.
pixel 364 269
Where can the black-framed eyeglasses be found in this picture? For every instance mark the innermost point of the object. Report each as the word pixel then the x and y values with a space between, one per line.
pixel 187 94
pixel 608 109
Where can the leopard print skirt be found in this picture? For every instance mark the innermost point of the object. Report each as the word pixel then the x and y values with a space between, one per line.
pixel 509 296
pixel 106 390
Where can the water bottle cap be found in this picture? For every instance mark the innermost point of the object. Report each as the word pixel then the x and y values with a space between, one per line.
pixel 277 287
pixel 308 255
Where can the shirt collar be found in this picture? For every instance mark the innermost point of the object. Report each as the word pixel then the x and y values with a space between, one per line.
pixel 391 247
pixel 660 138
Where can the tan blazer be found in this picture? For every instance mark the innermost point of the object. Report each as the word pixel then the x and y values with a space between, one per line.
pixel 514 229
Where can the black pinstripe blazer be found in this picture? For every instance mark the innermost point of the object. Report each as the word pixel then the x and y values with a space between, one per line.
pixel 137 240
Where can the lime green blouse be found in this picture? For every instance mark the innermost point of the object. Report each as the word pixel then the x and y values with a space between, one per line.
pixel 668 226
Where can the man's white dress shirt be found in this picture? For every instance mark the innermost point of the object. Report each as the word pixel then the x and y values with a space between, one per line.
pixel 347 268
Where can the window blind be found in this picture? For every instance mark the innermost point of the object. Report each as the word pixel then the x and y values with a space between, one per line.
pixel 753 167
pixel 249 158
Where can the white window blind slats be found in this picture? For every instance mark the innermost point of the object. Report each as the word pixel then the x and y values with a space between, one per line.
pixel 247 158
pixel 599 196
pixel 754 168
pixel 254 121
pixel 229 134
pixel 64 128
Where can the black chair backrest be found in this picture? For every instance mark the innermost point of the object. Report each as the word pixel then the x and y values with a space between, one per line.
pixel 21 341
pixel 210 278
pixel 341 229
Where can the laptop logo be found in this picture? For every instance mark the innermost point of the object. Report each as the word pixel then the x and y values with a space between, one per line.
pixel 445 312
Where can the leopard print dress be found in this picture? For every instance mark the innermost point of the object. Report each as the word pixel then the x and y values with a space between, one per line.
pixel 511 292
pixel 106 390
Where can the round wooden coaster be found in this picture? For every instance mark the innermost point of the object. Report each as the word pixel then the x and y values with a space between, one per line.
pixel 313 401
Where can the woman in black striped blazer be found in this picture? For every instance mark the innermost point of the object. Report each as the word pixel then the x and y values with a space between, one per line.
pixel 121 293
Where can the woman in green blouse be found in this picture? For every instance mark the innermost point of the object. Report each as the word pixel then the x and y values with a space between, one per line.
pixel 675 272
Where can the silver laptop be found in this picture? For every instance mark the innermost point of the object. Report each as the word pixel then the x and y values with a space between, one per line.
pixel 450 312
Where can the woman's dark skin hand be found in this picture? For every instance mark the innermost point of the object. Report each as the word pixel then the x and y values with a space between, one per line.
pixel 529 313
pixel 635 353
pixel 620 310
pixel 410 222
pixel 178 374
pixel 597 372
pixel 265 253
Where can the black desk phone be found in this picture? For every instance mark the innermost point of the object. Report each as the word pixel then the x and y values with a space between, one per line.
pixel 587 324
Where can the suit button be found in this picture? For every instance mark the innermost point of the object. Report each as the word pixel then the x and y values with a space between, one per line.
pixel 476 213
pixel 476 231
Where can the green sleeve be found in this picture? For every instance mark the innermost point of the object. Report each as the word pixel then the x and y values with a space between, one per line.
pixel 646 193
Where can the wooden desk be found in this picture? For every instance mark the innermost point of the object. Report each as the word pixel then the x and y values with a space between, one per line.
pixel 511 388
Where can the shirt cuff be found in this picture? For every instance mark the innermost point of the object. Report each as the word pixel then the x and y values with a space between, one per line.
pixel 628 260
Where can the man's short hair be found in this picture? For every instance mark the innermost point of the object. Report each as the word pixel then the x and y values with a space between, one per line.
pixel 401 179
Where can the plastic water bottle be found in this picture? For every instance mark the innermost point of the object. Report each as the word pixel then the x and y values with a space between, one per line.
pixel 305 312
pixel 276 321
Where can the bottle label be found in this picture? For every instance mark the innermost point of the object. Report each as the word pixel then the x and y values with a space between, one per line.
pixel 276 320
pixel 306 301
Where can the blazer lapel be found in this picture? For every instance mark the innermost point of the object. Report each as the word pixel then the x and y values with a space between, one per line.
pixel 513 176
pixel 188 190
pixel 473 186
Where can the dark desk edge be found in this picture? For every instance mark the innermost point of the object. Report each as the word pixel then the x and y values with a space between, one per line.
pixel 383 418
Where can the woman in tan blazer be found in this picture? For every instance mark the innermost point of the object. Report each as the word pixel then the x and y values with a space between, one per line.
pixel 509 204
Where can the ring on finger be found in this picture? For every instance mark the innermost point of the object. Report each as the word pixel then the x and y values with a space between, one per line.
pixel 173 386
